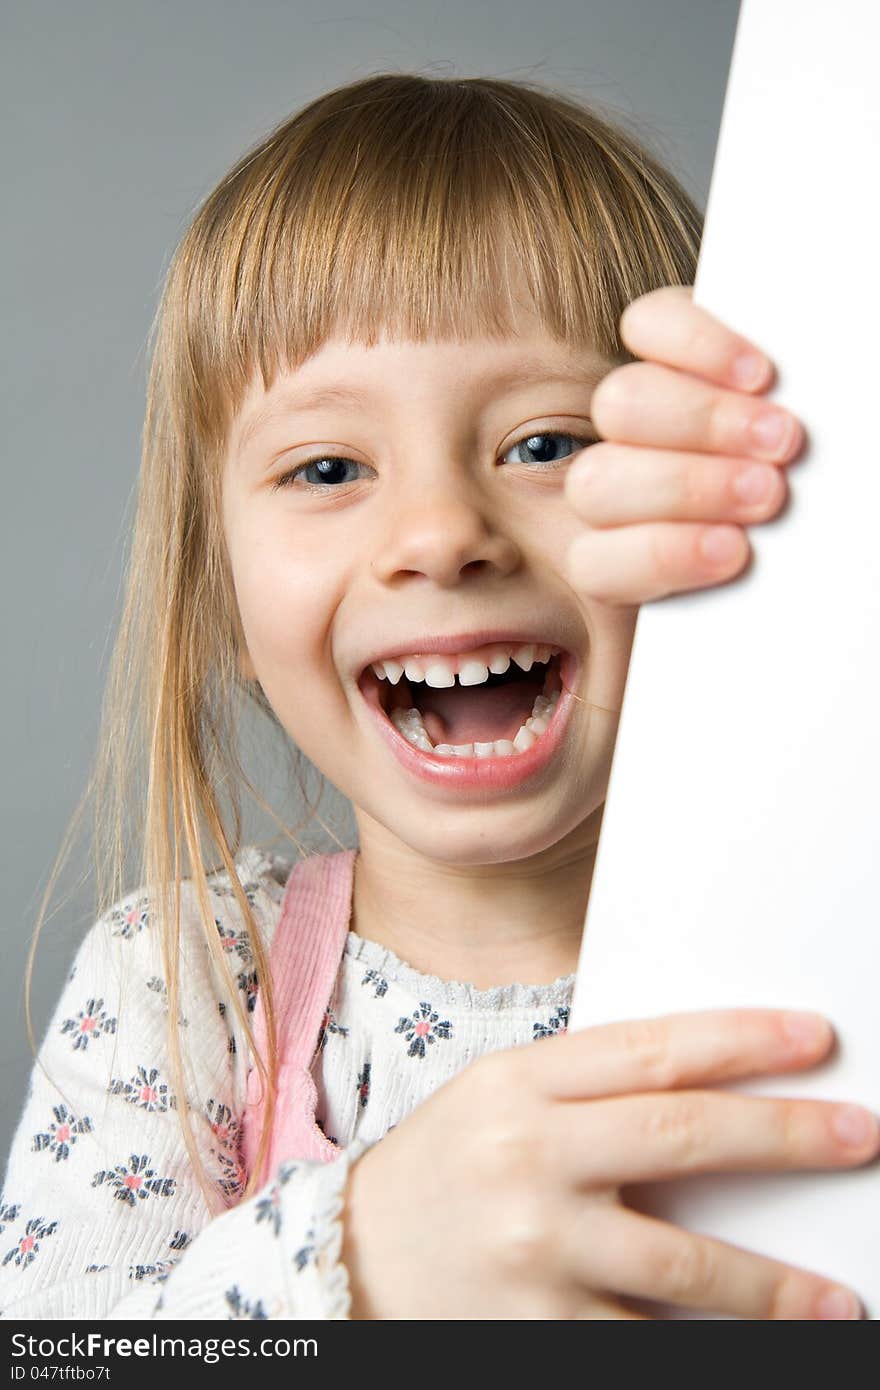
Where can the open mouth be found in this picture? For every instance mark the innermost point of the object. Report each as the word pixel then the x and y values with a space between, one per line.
pixel 495 702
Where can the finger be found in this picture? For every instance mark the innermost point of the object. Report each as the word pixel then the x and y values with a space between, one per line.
pixel 619 485
pixel 631 565
pixel 650 1138
pixel 639 1257
pixel 649 404
pixel 667 326
pixel 604 1310
pixel 675 1051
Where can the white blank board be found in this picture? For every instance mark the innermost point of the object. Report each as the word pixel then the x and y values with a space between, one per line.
pixel 739 858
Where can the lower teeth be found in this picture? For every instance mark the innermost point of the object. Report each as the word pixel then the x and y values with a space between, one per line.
pixel 409 723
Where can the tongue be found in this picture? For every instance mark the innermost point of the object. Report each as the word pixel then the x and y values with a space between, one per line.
pixel 476 714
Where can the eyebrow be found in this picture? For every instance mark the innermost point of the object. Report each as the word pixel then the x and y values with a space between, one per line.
pixel 320 397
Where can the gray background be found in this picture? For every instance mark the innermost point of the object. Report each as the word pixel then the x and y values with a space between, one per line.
pixel 118 119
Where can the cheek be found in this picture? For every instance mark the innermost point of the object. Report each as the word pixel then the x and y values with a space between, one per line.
pixel 611 638
pixel 552 523
pixel 286 595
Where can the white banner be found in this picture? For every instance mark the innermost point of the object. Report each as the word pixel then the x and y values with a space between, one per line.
pixel 739 859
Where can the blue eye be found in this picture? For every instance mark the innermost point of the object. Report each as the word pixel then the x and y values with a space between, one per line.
pixel 331 468
pixel 538 444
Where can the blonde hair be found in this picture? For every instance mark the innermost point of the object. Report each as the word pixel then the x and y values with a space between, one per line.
pixel 400 202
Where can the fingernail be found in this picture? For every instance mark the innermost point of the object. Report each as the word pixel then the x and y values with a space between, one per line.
pixel 854 1126
pixel 837 1302
pixel 805 1029
pixel 770 431
pixel 720 544
pixel 755 484
pixel 749 370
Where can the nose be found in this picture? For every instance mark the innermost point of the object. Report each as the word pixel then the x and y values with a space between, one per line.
pixel 442 531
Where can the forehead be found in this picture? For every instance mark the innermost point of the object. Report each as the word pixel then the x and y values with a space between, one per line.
pixel 348 374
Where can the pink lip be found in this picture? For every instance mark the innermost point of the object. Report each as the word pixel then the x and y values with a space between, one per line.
pixel 460 642
pixel 477 774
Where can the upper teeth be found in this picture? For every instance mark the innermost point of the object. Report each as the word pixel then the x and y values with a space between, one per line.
pixel 472 668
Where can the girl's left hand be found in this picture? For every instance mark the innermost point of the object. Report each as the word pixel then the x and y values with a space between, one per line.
pixel 685 436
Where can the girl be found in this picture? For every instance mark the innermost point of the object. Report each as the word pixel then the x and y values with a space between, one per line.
pixel 374 507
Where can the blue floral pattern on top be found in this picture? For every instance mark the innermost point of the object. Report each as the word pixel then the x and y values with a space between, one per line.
pixel 60 1137
pixel 91 1022
pixel 422 1029
pixel 558 1023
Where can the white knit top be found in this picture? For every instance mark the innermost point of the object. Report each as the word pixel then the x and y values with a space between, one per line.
pixel 101 1215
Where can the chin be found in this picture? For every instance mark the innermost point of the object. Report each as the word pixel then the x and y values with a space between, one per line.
pixel 482 836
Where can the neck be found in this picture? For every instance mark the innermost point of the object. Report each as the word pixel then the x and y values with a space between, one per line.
pixel 485 925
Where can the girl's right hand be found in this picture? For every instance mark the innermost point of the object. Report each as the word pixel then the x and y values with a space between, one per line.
pixel 499 1196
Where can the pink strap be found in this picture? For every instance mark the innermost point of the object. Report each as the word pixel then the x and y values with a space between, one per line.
pixel 304 959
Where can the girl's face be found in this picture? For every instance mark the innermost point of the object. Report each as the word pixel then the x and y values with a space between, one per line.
pixel 433 508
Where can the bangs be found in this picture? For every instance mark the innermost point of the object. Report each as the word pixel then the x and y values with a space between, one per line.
pixel 424 209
